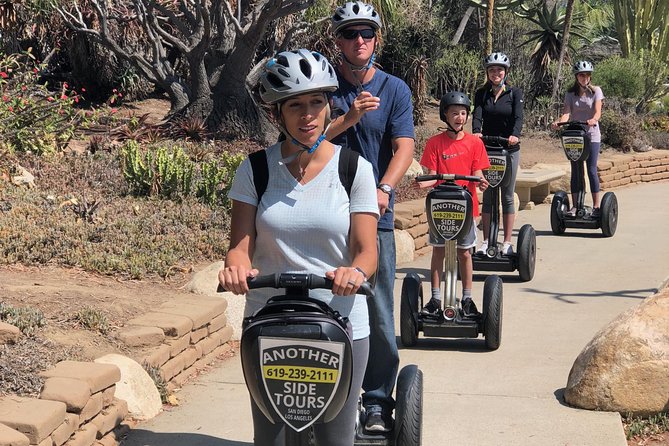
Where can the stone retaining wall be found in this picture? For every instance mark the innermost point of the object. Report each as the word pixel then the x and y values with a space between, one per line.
pixel 624 169
pixel 77 406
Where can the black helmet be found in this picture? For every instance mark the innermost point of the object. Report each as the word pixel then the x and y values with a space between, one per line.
pixel 453 98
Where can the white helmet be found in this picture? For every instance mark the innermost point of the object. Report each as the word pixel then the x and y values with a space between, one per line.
pixel 355 13
pixel 583 66
pixel 292 73
pixel 499 59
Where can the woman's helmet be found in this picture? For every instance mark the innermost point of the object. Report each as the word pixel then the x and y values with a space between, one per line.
pixel 355 13
pixel 453 98
pixel 499 59
pixel 292 73
pixel 583 66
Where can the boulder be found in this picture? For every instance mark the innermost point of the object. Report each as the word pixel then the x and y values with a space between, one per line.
pixel 9 334
pixel 414 170
pixel 404 247
pixel 205 282
pixel 625 368
pixel 135 387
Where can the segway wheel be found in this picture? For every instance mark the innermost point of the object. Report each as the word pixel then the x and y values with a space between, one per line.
pixel 609 214
pixel 527 252
pixel 409 407
pixel 559 206
pixel 492 312
pixel 412 296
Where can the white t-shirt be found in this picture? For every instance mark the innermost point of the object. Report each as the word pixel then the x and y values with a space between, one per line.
pixel 303 228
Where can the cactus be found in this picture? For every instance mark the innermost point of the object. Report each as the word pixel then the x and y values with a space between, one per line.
pixel 643 25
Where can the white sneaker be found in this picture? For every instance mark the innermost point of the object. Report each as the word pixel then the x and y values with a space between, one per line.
pixel 507 249
pixel 483 248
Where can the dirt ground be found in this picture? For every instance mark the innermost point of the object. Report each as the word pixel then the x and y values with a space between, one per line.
pixel 60 293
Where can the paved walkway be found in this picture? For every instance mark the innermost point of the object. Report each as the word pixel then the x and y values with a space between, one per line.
pixel 512 396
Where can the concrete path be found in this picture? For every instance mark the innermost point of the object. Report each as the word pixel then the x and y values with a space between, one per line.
pixel 512 396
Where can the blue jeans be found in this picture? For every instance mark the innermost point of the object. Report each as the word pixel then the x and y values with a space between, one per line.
pixel 384 358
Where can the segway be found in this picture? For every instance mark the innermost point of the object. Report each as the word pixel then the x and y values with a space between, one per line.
pixel 573 138
pixel 297 360
pixel 449 212
pixel 524 259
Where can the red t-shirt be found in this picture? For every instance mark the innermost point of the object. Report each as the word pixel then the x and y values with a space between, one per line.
pixel 460 157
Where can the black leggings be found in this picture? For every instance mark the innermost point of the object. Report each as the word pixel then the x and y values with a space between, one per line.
pixel 338 432
pixel 592 170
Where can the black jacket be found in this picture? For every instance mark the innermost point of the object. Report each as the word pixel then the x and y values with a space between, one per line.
pixel 503 117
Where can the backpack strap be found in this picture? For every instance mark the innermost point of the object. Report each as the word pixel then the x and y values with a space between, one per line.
pixel 260 172
pixel 348 166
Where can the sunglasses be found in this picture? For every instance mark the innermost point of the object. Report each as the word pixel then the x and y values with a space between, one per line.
pixel 352 34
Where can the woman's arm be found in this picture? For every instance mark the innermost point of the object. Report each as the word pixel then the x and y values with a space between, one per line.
pixel 598 113
pixel 242 245
pixel 518 116
pixel 477 116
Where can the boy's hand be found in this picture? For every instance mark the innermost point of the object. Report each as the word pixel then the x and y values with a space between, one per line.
pixel 483 184
pixel 478 135
pixel 424 184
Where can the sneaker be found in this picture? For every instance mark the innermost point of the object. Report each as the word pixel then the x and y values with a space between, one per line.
pixel 432 306
pixel 571 212
pixel 596 213
pixel 469 308
pixel 507 249
pixel 377 421
pixel 483 248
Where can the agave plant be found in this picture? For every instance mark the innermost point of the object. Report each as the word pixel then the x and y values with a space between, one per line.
pixel 547 40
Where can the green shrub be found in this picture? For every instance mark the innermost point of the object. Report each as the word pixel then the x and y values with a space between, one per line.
pixel 617 133
pixel 216 178
pixel 26 319
pixel 620 77
pixel 92 319
pixel 159 381
pixel 159 171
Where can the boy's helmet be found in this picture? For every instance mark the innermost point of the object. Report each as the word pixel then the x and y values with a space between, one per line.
pixel 292 73
pixel 583 66
pixel 499 59
pixel 453 98
pixel 355 13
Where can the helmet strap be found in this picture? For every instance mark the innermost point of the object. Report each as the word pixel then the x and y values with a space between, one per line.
pixel 359 68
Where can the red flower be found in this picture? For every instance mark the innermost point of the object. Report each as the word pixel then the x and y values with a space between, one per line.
pixel 114 110
pixel 76 99
pixel 50 99
pixel 10 108
pixel 4 98
pixel 63 96
pixel 23 88
pixel 83 89
pixel 35 70
pixel 65 85
pixel 3 75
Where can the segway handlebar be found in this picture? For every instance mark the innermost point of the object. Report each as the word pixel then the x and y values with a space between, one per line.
pixel 447 177
pixel 291 280
pixel 560 124
pixel 500 140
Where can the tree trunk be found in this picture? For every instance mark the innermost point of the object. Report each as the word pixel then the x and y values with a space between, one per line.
pixel 488 40
pixel 461 27
pixel 563 48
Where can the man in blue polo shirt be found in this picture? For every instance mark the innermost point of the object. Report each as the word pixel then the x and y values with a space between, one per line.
pixel 377 123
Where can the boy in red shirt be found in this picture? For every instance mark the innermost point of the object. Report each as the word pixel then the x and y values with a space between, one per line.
pixel 455 152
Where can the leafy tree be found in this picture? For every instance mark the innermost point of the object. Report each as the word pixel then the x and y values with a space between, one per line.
pixel 216 41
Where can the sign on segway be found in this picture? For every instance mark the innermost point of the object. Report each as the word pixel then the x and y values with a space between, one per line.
pixel 447 217
pixel 573 147
pixel 495 173
pixel 300 377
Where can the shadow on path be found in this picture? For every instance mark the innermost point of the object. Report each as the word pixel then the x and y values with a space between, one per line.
pixel 142 437
pixel 634 294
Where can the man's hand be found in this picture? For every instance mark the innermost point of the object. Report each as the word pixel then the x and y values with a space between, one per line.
pixel 362 104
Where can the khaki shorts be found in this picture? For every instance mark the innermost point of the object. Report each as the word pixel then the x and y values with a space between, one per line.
pixel 465 240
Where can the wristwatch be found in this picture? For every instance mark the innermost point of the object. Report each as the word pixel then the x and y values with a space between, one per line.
pixel 385 188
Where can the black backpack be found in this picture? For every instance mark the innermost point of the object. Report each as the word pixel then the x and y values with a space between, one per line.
pixel 348 166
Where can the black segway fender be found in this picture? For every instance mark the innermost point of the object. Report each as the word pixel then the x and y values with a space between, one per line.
pixel 559 206
pixel 492 312
pixel 297 362
pixel 409 407
pixel 411 300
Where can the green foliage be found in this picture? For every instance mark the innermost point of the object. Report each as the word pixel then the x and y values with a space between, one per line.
pixel 159 171
pixel 645 426
pixel 158 379
pixel 643 25
pixel 92 319
pixel 618 133
pixel 620 77
pixel 459 69
pixel 216 178
pixel 32 117
pixel 26 319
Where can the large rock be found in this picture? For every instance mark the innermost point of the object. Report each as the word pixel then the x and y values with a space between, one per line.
pixel 135 387
pixel 404 247
pixel 625 368
pixel 414 170
pixel 205 282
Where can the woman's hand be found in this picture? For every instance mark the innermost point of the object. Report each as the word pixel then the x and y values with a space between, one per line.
pixel 233 278
pixel 554 125
pixel 513 140
pixel 592 122
pixel 346 280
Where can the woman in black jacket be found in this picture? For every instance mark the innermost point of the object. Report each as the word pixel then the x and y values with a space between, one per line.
pixel 498 111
